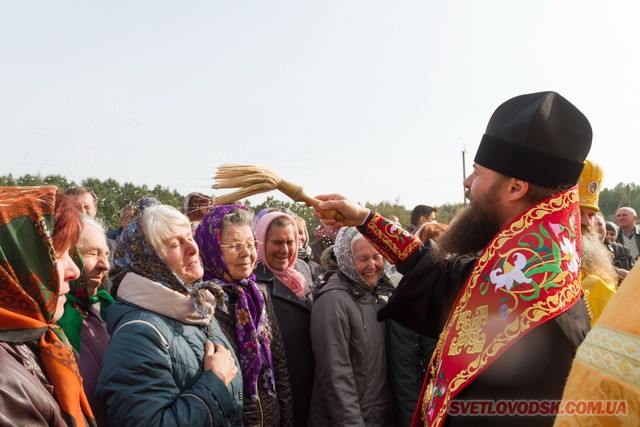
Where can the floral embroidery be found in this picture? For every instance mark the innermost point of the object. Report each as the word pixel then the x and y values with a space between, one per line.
pixel 571 255
pixel 512 273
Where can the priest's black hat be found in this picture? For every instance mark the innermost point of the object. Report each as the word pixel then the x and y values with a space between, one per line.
pixel 540 138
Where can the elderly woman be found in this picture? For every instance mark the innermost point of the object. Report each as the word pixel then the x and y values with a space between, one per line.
pixel 168 362
pixel 39 379
pixel 84 315
pixel 350 385
pixel 228 250
pixel 287 280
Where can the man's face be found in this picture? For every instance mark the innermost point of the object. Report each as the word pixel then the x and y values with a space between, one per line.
pixel 480 182
pixel 611 235
pixel 87 204
pixel 427 218
pixel 586 219
pixel 625 218
pixel 474 228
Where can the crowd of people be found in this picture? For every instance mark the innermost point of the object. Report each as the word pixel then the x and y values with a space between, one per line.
pixel 218 315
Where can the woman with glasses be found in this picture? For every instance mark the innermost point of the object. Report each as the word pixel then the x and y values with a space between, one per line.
pixel 351 386
pixel 288 280
pixel 228 252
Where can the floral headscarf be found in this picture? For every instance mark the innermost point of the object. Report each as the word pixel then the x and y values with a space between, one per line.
pixel 136 255
pixel 71 321
pixel 254 345
pixel 29 287
pixel 291 278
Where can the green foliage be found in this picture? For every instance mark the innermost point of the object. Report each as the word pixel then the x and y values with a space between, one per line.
pixel 448 211
pixel 386 209
pixel 621 195
pixel 112 196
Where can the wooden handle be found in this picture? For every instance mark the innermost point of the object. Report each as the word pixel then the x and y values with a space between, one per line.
pixel 297 194
pixel 331 214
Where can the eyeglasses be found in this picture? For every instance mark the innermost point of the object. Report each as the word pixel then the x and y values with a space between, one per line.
pixel 239 247
pixel 365 259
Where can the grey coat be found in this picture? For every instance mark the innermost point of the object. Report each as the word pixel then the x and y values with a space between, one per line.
pixel 350 387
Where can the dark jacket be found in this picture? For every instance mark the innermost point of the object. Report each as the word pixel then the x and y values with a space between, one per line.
pixel 314 267
pixel 620 239
pixel 621 255
pixel 318 246
pixel 294 319
pixel 351 385
pixel 535 367
pixel 267 410
pixel 152 373
pixel 408 355
pixel 26 397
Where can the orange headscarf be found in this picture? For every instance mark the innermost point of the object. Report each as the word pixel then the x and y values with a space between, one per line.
pixel 29 288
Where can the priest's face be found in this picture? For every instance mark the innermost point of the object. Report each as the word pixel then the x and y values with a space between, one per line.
pixel 474 227
pixel 587 216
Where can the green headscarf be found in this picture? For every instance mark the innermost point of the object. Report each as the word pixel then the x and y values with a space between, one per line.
pixel 78 299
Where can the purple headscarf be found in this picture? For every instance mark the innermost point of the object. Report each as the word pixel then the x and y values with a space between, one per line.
pixel 252 333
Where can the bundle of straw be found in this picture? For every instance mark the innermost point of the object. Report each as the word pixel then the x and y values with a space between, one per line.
pixel 251 180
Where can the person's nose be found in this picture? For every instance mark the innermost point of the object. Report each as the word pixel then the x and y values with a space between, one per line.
pixel 71 272
pixel 103 263
pixel 192 248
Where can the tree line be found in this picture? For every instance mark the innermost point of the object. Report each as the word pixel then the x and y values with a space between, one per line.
pixel 113 196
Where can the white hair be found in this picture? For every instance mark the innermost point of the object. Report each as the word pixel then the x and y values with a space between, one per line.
pixel 161 222
pixel 90 222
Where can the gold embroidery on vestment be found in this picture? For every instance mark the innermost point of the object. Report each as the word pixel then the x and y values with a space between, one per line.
pixel 470 333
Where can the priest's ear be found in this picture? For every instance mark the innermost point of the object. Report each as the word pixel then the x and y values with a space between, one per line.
pixel 517 190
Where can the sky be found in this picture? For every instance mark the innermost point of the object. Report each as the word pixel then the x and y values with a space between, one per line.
pixel 373 99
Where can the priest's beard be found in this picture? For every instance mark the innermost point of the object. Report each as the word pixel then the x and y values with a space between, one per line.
pixel 473 228
pixel 596 259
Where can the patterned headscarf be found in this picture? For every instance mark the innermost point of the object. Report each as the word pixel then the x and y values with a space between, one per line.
pixel 343 249
pixel 254 345
pixel 291 278
pixel 136 255
pixel 29 287
pixel 71 321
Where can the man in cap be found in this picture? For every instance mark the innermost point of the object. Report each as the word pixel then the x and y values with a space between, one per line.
pixel 598 276
pixel 621 254
pixel 502 292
